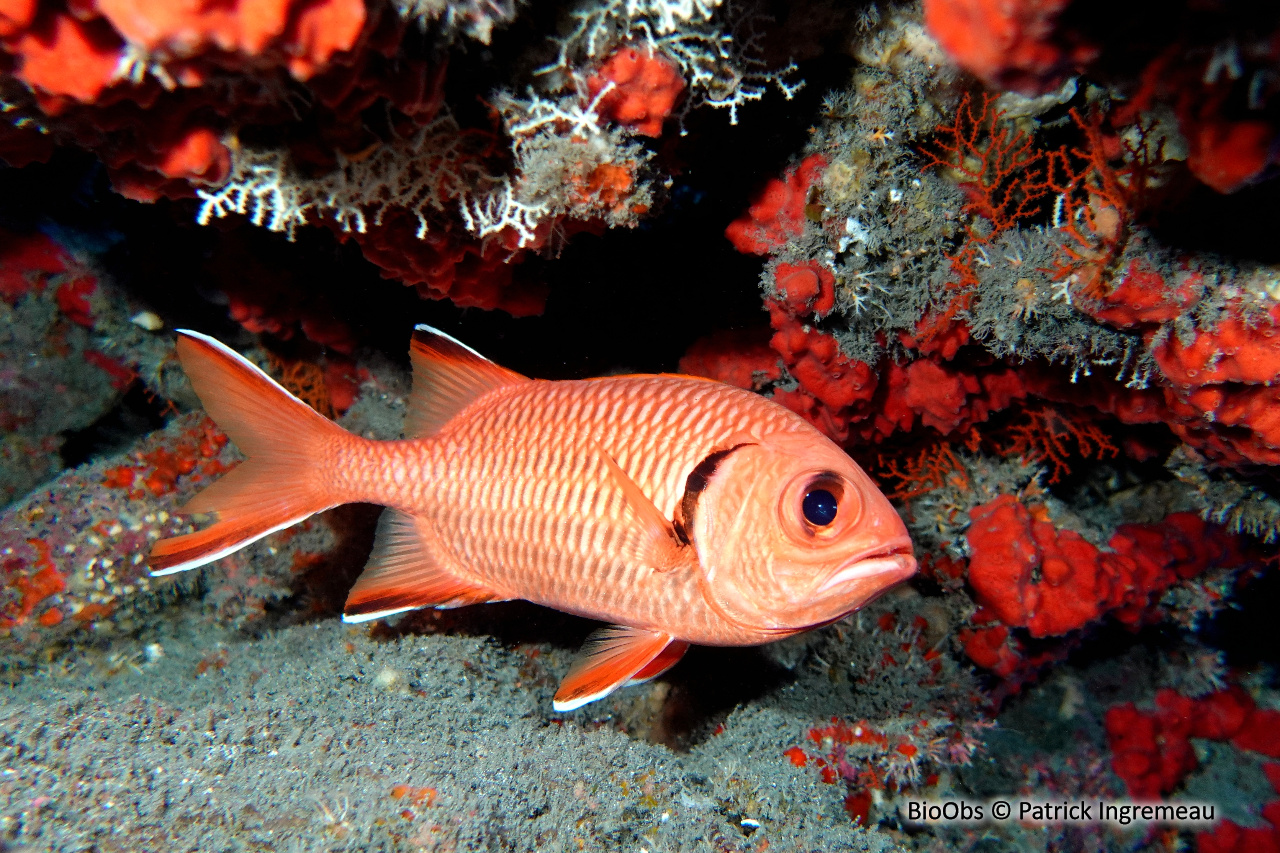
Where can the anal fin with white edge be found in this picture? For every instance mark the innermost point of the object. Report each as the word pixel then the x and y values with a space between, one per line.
pixel 404 572
pixel 667 658
pixel 612 657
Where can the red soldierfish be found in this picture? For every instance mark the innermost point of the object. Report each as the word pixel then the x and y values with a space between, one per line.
pixel 678 509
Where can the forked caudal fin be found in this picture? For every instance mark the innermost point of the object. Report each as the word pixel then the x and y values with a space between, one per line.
pixel 284 479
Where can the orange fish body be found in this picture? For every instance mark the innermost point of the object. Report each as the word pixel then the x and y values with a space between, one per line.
pixel 678 509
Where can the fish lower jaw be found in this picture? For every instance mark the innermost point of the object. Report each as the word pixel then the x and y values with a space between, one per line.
pixel 888 567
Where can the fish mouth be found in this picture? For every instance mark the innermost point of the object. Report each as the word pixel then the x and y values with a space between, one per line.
pixel 889 564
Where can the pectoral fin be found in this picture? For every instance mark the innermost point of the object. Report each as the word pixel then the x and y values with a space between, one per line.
pixel 658 548
pixel 405 572
pixel 615 656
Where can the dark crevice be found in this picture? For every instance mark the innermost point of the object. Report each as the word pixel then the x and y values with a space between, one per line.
pixel 134 417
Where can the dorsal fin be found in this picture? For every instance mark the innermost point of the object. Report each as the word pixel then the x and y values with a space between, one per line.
pixel 405 572
pixel 448 376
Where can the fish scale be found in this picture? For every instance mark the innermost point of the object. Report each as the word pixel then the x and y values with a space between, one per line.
pixel 563 426
pixel 579 495
pixel 501 440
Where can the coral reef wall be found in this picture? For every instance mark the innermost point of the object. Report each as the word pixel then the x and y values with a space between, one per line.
pixel 1017 258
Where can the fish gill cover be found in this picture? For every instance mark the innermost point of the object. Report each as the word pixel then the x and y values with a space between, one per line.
pixel 1017 258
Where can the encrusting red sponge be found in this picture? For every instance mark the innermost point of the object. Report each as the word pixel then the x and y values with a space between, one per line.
pixel 1153 754
pixel 646 87
pixel 778 212
pixel 1077 582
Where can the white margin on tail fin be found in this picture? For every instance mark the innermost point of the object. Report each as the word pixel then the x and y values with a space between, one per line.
pixel 423 327
pixel 230 353
pixel 209 558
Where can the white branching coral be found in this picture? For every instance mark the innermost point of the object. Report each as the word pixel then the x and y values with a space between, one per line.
pixel 565 117
pixel 559 150
pixel 262 187
pixel 598 27
pixel 136 63
pixel 669 15
pixel 717 52
pixel 503 208
pixel 723 70
pixel 17 108
pixel 475 18
pixel 421 173
pixel 566 164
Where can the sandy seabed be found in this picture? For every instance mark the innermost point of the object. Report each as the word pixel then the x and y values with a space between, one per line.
pixel 319 737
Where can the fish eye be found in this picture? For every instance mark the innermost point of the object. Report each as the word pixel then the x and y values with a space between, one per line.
pixel 819 507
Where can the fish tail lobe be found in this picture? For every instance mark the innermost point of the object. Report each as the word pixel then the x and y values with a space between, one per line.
pixel 288 476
